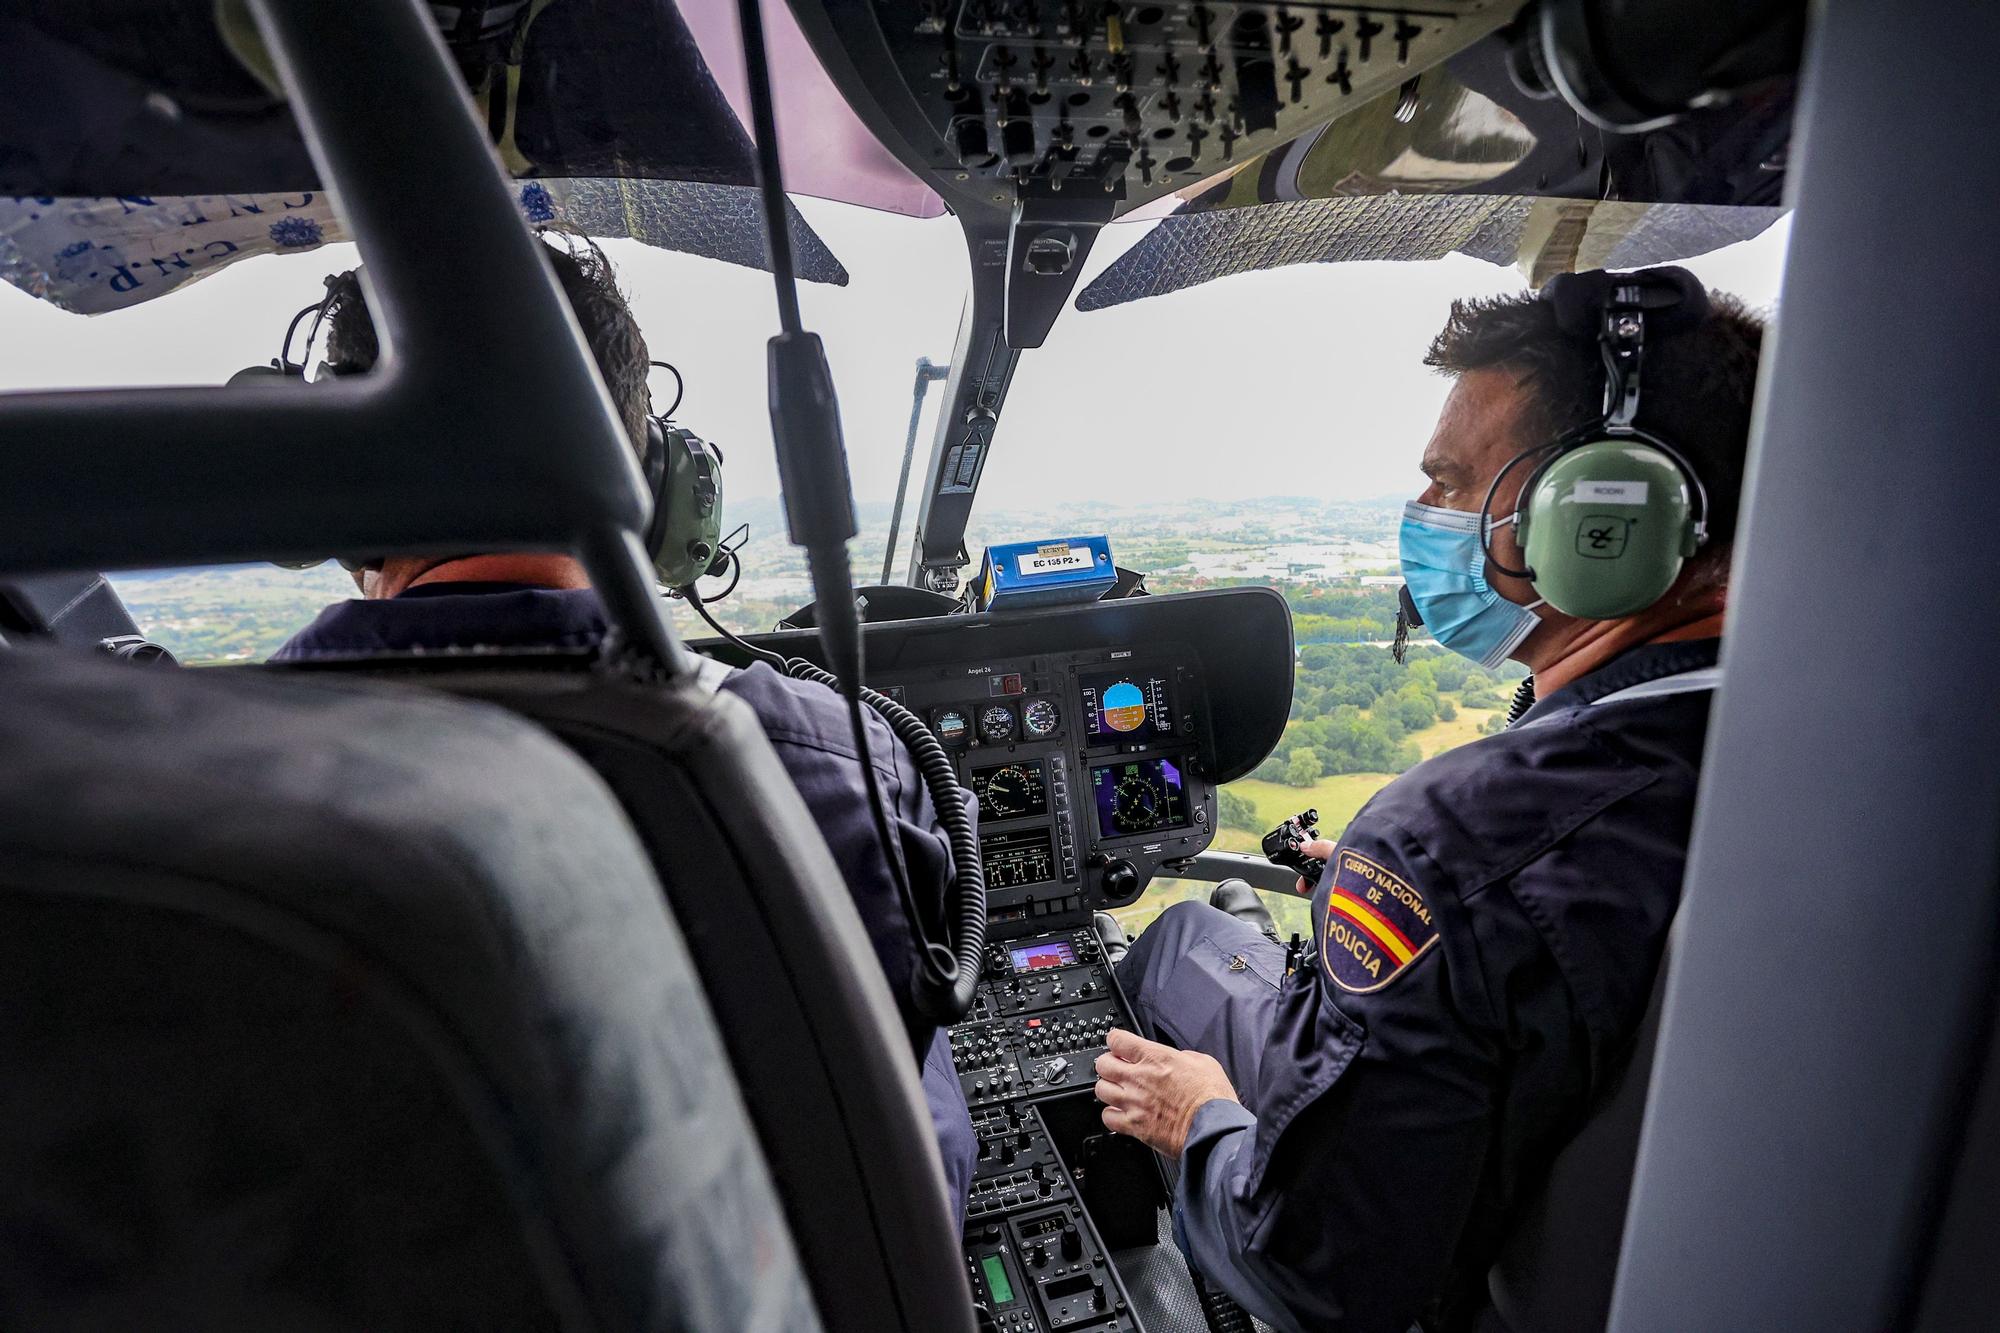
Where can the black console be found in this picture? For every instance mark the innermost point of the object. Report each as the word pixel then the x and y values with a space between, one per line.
pixel 1039 1021
pixel 1094 738
pixel 1092 769
pixel 1095 769
pixel 1036 1262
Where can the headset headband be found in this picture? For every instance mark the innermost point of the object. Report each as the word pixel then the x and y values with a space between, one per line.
pixel 1617 310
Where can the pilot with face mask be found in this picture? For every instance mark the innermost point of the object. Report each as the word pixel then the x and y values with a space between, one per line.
pixel 1354 1137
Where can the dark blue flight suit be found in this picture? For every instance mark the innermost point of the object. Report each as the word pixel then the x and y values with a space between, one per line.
pixel 1485 942
pixel 807 725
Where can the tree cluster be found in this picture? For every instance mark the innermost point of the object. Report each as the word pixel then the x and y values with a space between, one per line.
pixel 1354 708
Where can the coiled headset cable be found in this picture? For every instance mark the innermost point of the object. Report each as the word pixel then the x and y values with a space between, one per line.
pixel 965 910
pixel 819 516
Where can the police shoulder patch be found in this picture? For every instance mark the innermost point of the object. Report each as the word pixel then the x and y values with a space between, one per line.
pixel 1376 924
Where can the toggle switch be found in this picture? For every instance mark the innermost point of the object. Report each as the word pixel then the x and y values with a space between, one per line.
pixel 1326 29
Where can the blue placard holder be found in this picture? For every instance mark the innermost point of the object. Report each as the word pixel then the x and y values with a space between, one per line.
pixel 1020 575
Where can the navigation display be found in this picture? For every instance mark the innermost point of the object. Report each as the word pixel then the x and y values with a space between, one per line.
pixel 1144 796
pixel 1023 856
pixel 1126 706
pixel 1049 953
pixel 1011 791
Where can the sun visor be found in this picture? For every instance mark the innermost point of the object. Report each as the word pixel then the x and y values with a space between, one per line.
pixel 1541 236
pixel 150 97
pixel 90 256
pixel 146 146
pixel 177 97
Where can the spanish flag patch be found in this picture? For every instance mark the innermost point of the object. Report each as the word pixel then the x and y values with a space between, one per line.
pixel 1376 924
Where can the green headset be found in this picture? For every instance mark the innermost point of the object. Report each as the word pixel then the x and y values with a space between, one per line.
pixel 1611 512
pixel 683 472
pixel 684 475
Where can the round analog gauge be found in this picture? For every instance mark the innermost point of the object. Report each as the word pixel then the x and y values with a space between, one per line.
pixel 1040 718
pixel 996 724
pixel 951 726
pixel 1009 791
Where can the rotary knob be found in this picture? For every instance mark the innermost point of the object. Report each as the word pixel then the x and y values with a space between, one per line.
pixel 1057 1070
pixel 1120 879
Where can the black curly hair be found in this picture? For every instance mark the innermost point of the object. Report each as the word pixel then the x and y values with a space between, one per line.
pixel 1698 383
pixel 587 280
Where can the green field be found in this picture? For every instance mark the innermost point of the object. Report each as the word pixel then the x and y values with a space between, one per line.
pixel 1336 797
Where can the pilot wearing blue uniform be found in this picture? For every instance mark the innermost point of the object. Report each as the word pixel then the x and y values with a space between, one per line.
pixel 1353 1138
pixel 528 602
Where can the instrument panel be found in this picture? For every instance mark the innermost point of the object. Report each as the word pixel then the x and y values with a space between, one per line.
pixel 1131 100
pixel 1092 738
pixel 1091 770
pixel 1037 1257
pixel 1034 1259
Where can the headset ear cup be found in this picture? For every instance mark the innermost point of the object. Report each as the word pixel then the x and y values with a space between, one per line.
pixel 654 466
pixel 684 473
pixel 1609 528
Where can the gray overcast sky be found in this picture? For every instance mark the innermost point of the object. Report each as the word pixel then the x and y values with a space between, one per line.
pixel 1301 379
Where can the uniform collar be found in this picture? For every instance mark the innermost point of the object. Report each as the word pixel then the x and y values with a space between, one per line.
pixel 463 589
pixel 1642 665
pixel 452 617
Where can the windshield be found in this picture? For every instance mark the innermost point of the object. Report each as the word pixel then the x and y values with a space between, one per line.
pixel 1266 428
pixel 710 319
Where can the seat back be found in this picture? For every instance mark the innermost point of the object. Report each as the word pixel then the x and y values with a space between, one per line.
pixel 799 997
pixel 1557 1268
pixel 325 1007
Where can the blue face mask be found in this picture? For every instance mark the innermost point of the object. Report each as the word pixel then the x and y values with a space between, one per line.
pixel 1444 566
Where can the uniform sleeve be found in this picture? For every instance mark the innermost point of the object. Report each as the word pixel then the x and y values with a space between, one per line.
pixel 809 728
pixel 1343 1201
pixel 958 1146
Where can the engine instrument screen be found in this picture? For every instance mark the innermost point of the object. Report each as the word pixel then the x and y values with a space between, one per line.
pixel 1143 796
pixel 1012 791
pixel 1126 706
pixel 997 1285
pixel 1049 953
pixel 1017 857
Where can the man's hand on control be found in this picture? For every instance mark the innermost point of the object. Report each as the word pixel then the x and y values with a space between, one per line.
pixel 1319 849
pixel 1152 1091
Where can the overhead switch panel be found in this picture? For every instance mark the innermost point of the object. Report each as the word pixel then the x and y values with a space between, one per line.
pixel 1137 100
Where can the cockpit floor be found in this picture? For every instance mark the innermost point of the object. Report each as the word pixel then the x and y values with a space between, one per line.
pixel 1156 1277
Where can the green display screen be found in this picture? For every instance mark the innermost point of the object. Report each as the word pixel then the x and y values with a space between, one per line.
pixel 996 1280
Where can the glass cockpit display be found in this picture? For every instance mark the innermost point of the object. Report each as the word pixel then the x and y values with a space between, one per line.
pixel 1048 953
pixel 1143 796
pixel 1126 706
pixel 1017 857
pixel 1011 791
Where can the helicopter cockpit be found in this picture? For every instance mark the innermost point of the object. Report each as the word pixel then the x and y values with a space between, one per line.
pixel 501 987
